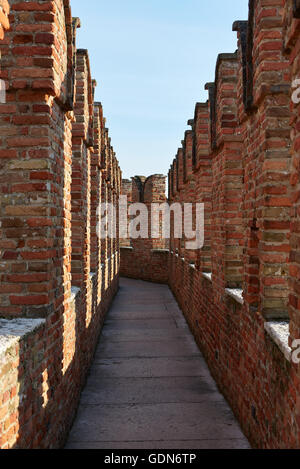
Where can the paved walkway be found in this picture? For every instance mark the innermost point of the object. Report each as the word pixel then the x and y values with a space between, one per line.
pixel 149 386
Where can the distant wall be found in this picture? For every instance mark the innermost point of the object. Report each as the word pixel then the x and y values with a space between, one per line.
pixel 145 259
pixel 240 293
pixel 145 264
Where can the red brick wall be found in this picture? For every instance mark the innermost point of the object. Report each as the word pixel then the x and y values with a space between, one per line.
pixel 57 164
pixel 292 44
pixel 145 259
pixel 52 175
pixel 202 165
pixel 145 264
pixel 251 200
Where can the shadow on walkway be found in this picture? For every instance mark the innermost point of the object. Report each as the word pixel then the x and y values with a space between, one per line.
pixel 149 386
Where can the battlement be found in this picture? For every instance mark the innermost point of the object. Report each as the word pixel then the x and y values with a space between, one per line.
pixel 57 275
pixel 59 174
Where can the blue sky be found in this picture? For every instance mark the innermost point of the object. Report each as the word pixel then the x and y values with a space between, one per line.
pixel 151 59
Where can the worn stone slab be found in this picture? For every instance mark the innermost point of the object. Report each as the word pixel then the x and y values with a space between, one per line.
pixel 129 335
pixel 149 386
pixel 135 313
pixel 140 324
pixel 148 367
pixel 158 302
pixel 101 390
pixel 155 422
pixel 183 347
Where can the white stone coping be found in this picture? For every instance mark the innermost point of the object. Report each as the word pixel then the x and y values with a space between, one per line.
pixel 207 275
pixel 11 332
pixel 280 333
pixel 129 248
pixel 236 294
pixel 192 266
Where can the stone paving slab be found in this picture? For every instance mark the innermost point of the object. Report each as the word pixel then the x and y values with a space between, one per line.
pixel 149 386
pixel 149 349
pixel 134 314
pixel 111 391
pixel 148 367
pixel 155 422
pixel 141 324
pixel 114 335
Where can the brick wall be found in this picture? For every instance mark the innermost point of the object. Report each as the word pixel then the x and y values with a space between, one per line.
pixel 53 266
pixel 240 293
pixel 244 287
pixel 292 46
pixel 145 258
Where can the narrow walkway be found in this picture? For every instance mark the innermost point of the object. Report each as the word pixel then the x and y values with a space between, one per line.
pixel 149 386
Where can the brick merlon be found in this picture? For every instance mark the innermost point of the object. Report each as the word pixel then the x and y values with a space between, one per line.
pixel 209 86
pixel 76 22
pixel 224 57
pixel 198 107
pixel 240 25
pixel 201 105
pixel 227 56
pixel 82 52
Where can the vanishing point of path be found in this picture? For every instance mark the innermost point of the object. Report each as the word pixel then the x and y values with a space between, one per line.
pixel 149 386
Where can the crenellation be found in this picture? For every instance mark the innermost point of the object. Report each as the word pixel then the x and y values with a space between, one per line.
pixel 240 292
pixel 54 266
pixel 147 258
pixel 250 159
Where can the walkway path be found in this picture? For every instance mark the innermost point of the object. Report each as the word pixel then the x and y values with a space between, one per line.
pixel 149 386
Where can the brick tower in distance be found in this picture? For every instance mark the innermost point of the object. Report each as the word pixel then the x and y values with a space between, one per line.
pixel 145 258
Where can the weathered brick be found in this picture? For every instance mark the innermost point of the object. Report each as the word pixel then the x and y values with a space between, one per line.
pixel 39 149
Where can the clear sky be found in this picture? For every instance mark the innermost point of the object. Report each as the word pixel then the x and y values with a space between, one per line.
pixel 151 59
